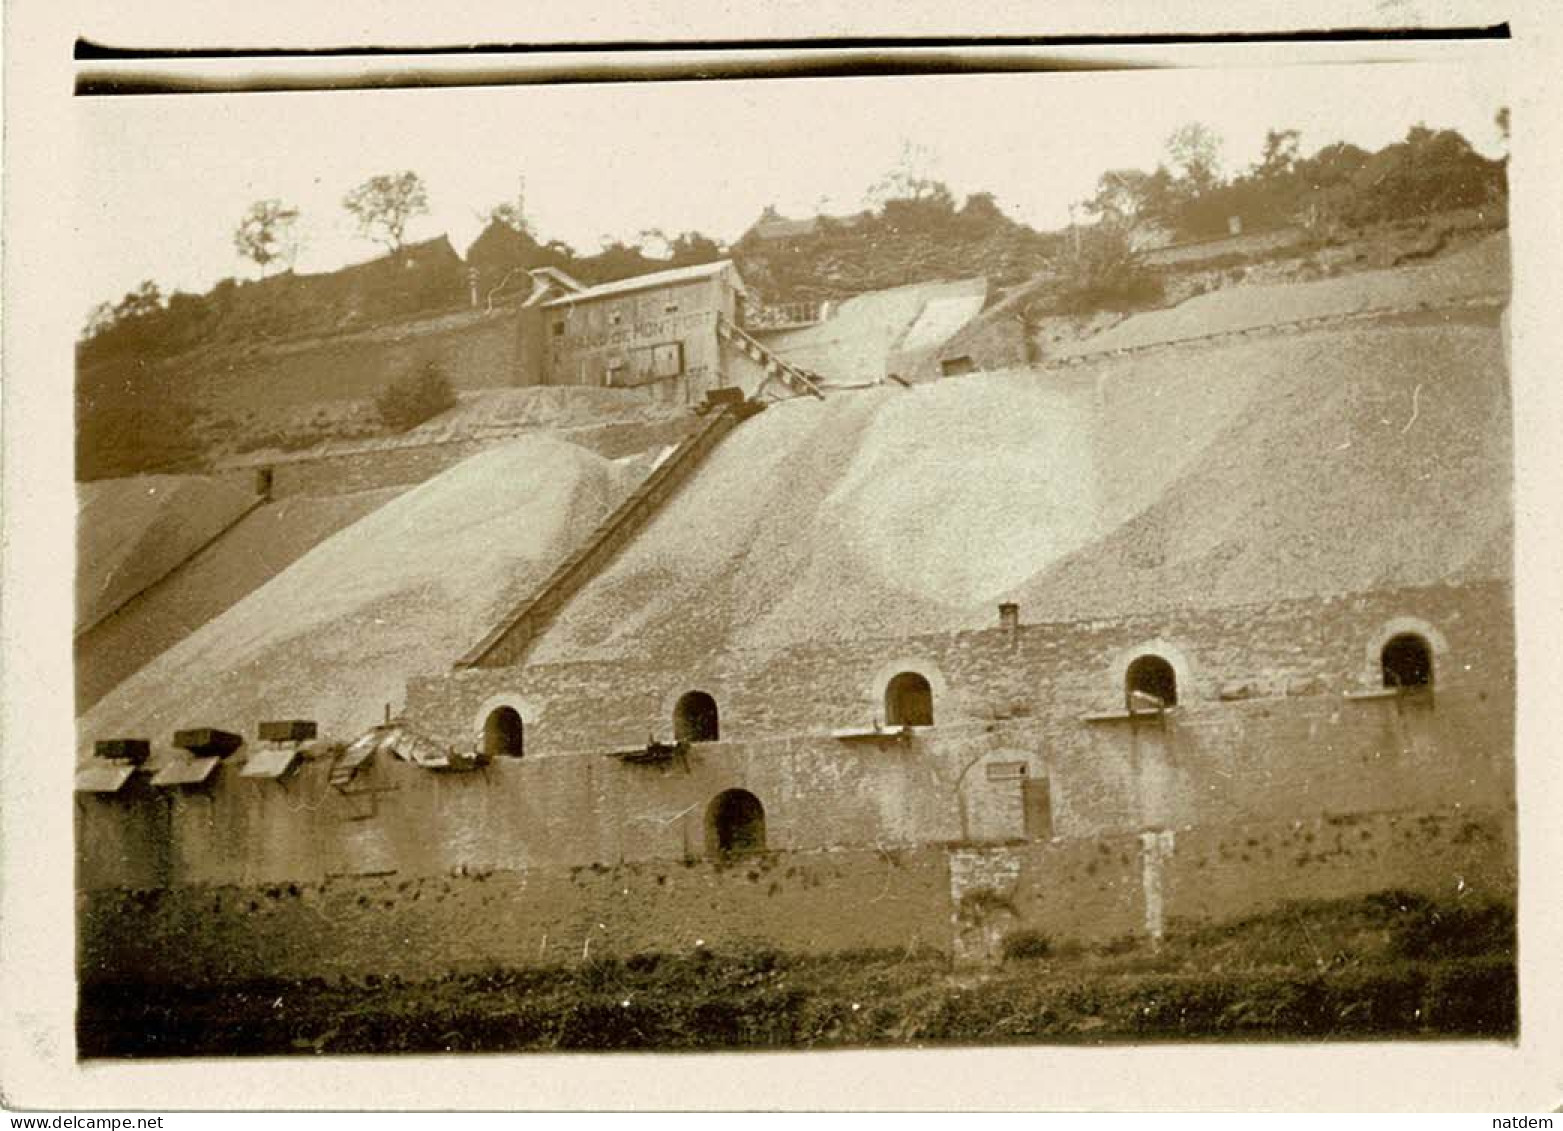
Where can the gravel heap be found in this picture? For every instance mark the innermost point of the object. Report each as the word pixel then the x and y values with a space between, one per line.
pixel 1481 269
pixel 856 342
pixel 406 589
pixel 1230 472
pixel 130 532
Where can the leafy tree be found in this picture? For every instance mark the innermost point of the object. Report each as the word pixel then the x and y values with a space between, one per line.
pixel 1194 153
pixel 1279 158
pixel 384 204
pixel 100 319
pixel 617 260
pixel 982 210
pixel 1430 171
pixel 1132 199
pixel 509 215
pixel 691 248
pixel 654 243
pixel 1107 273
pixel 268 233
pixel 423 395
pixel 910 179
pixel 144 301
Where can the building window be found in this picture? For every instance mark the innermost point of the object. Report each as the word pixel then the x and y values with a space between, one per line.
pixel 559 327
pixel 957 366
pixel 735 824
pixel 667 360
pixel 1407 661
pixel 695 718
pixel 908 701
pixel 1152 675
pixel 504 734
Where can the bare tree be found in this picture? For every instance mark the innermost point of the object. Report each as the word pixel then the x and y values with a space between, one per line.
pixel 384 204
pixel 268 233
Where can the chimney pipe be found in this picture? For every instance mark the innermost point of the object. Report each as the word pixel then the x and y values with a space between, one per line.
pixel 1009 621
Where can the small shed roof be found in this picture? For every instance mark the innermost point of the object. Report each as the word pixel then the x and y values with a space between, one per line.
pixel 189 771
pixel 271 762
pixel 104 777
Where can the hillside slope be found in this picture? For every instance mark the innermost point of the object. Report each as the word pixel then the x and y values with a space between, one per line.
pixel 405 589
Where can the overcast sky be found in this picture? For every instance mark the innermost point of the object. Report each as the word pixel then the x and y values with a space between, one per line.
pixel 165 178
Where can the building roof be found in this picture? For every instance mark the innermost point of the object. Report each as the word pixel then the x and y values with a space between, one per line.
pixel 772 225
pixel 645 282
pixel 566 281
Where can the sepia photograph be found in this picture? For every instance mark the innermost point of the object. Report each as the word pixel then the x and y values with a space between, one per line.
pixel 791 551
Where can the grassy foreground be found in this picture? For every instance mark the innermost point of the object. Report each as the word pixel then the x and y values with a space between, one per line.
pixel 1391 965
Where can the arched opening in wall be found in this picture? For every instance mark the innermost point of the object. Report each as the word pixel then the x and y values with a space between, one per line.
pixel 504 735
pixel 1407 661
pixel 1152 675
pixel 908 701
pixel 735 824
pixel 695 718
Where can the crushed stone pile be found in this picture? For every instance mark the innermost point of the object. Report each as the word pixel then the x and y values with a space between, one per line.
pixel 263 543
pixel 855 343
pixel 1364 458
pixel 132 531
pixel 407 589
pixel 1479 270
pixel 1226 473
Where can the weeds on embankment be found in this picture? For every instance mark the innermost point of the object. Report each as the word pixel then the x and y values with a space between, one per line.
pixel 1390 965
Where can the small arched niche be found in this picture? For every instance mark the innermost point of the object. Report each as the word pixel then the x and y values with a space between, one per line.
pixel 1150 674
pixel 909 701
pixel 696 718
pixel 1406 661
pixel 735 824
pixel 504 734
